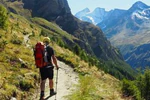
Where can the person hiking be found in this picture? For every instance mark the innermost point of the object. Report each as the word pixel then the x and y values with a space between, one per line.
pixel 47 70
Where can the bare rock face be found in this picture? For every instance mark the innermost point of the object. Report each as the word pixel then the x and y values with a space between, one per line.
pixel 50 9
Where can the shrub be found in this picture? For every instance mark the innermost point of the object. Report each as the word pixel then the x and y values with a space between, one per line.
pixel 3 43
pixel 25 33
pixel 3 17
pixel 130 89
pixel 10 91
pixel 31 25
pixel 0 35
pixel 77 49
pixel 43 33
pixel 16 40
pixel 144 85
pixel 25 85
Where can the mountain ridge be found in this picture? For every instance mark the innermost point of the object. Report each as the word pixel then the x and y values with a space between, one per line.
pixel 128 28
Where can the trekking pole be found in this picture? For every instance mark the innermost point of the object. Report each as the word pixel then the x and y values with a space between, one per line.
pixel 56 83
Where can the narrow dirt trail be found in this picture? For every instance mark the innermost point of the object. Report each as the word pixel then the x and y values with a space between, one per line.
pixel 66 79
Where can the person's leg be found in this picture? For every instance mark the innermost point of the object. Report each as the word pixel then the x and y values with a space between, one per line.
pixel 51 87
pixel 51 83
pixel 50 77
pixel 42 87
pixel 43 81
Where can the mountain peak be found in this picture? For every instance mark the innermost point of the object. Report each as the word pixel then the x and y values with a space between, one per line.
pixel 86 10
pixel 82 12
pixel 139 5
pixel 99 9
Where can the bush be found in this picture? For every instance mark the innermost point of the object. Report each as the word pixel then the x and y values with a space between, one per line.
pixel 25 85
pixel 3 17
pixel 130 89
pixel 144 85
pixel 77 49
pixel 43 33
pixel 25 33
pixel 139 88
pixel 0 35
pixel 3 43
pixel 16 40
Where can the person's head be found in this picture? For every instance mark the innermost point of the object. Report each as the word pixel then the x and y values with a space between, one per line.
pixel 46 40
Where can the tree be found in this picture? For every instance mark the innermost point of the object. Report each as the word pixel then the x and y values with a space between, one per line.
pixel 146 87
pixel 3 17
pixel 77 49
pixel 139 88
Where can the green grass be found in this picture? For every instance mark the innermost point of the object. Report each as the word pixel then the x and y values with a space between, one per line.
pixel 55 29
pixel 16 80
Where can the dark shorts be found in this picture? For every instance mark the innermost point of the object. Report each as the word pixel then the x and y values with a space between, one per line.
pixel 46 73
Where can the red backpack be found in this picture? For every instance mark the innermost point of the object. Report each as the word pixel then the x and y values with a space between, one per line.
pixel 39 55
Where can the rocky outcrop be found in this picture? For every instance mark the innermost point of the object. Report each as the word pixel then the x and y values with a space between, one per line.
pixel 50 9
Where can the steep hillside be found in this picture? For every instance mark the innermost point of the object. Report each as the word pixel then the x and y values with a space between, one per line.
pixel 87 37
pixel 139 56
pixel 18 76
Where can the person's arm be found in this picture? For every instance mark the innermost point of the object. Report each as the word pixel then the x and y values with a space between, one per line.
pixel 55 61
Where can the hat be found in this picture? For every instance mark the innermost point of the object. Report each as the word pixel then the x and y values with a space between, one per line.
pixel 46 39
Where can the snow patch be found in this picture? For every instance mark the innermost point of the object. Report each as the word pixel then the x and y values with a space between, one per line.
pixel 91 19
pixel 139 15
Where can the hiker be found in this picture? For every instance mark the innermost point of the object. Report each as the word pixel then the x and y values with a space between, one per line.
pixel 47 70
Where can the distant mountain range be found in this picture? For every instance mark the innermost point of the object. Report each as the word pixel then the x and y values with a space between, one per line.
pixel 95 17
pixel 126 29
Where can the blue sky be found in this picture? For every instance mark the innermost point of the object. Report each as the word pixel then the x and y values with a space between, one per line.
pixel 77 5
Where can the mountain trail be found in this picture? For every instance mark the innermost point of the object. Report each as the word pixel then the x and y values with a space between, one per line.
pixel 66 79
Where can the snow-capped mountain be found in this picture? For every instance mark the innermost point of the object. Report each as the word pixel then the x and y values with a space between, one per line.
pixel 138 6
pixel 127 22
pixel 127 29
pixel 139 10
pixel 94 17
pixel 130 30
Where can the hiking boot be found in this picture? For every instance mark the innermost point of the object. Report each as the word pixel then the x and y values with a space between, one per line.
pixel 42 98
pixel 52 92
pixel 42 95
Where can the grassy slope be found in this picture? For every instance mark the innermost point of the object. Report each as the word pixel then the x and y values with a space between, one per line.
pixel 15 77
pixel 62 37
pixel 21 81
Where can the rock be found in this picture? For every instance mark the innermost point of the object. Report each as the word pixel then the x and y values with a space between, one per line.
pixel 13 98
